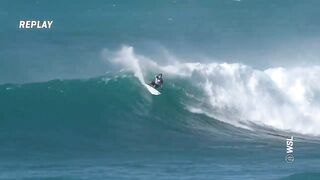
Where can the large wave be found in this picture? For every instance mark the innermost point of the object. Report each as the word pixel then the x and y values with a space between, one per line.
pixel 280 98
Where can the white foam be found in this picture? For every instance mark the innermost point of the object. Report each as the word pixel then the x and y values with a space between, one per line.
pixel 282 98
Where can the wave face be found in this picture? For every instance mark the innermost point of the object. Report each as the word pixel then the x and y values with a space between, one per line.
pixel 110 112
pixel 113 121
pixel 285 99
pixel 200 103
pixel 116 111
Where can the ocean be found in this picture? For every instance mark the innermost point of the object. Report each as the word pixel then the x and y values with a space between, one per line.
pixel 240 80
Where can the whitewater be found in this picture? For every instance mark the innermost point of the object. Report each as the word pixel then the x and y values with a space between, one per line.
pixel 279 98
pixel 210 120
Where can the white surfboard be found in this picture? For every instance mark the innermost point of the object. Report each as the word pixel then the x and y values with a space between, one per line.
pixel 152 90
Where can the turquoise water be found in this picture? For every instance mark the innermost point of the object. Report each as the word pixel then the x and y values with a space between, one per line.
pixel 111 128
pixel 240 77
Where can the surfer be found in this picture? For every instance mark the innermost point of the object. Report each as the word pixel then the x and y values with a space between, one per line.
pixel 157 82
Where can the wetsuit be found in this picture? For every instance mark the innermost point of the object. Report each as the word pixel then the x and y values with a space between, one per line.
pixel 158 81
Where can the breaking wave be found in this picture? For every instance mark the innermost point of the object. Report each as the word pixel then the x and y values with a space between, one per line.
pixel 281 98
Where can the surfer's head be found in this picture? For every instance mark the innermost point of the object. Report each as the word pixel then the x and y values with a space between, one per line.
pixel 160 75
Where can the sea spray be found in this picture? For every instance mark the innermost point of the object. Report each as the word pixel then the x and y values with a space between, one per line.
pixel 127 59
pixel 280 98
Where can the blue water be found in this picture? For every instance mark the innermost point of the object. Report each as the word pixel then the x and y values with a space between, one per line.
pixel 259 33
pixel 98 129
pixel 240 77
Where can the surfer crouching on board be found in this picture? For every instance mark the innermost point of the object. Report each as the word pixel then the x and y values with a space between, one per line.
pixel 157 82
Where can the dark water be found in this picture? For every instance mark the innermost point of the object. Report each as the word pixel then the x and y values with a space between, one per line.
pixel 111 128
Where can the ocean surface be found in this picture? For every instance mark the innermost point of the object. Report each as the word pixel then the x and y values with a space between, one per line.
pixel 110 127
pixel 240 78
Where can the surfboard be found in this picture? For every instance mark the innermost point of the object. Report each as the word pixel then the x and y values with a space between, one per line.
pixel 152 90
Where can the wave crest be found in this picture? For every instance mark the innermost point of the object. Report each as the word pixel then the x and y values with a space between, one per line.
pixel 281 98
